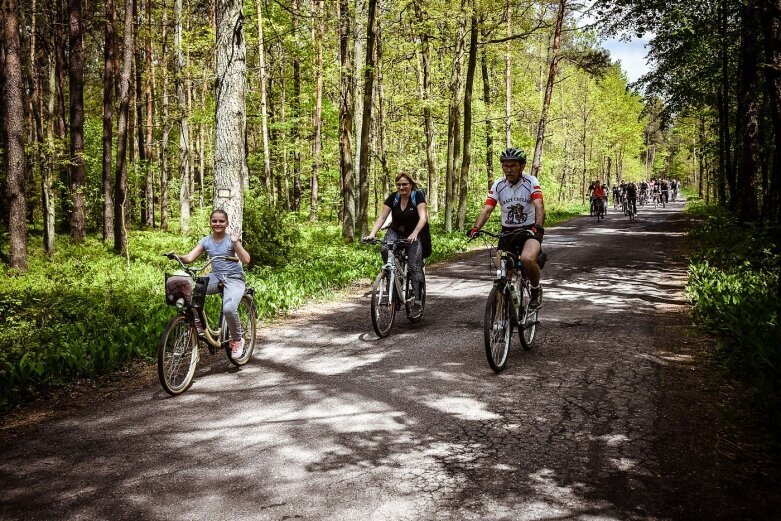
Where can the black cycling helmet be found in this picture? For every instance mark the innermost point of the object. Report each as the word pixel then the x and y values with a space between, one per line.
pixel 514 154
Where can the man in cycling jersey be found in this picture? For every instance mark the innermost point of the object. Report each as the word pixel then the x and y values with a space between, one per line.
pixel 520 198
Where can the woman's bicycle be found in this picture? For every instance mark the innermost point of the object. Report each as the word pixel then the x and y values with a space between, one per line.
pixel 177 354
pixel 508 305
pixel 394 287
pixel 630 210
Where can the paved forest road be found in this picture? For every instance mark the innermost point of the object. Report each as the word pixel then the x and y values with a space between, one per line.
pixel 611 416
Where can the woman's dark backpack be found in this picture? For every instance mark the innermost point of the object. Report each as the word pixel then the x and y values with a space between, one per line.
pixel 425 233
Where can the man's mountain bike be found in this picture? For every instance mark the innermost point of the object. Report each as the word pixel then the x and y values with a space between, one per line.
pixel 177 354
pixel 507 307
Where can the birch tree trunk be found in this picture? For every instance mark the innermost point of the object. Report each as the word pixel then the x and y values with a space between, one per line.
pixel 230 162
pixel 108 120
pixel 467 151
pixel 432 198
pixel 368 87
pixel 554 60
pixel 78 184
pixel 382 134
pixel 165 124
pixel 318 30
pixel 346 107
pixel 14 134
pixel 267 175
pixel 120 183
pixel 149 96
pixel 508 84
pixel 47 174
pixel 185 189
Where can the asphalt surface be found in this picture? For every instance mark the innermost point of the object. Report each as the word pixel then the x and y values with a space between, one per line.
pixel 609 417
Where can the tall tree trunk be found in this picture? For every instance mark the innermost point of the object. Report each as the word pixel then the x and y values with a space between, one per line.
pixel 489 126
pixel 267 175
pixel 165 123
pixel 726 78
pixel 123 140
pixel 230 162
pixel 140 65
pixel 508 85
pixel 108 119
pixel 382 134
pixel 149 125
pixel 13 119
pixel 368 88
pixel 359 55
pixel 537 161
pixel 432 198
pixel 318 31
pixel 47 174
pixel 78 185
pixel 346 107
pixel 747 183
pixel 467 157
pixel 185 188
pixel 453 120
pixel 296 109
pixel 771 24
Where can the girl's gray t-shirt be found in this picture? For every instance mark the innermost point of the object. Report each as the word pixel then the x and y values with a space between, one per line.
pixel 222 267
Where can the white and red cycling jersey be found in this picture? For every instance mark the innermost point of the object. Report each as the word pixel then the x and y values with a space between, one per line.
pixel 515 200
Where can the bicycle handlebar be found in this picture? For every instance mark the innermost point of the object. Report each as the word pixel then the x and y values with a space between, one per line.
pixel 195 269
pixel 520 231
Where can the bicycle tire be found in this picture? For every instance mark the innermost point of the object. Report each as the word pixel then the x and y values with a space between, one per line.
pixel 415 317
pixel 527 329
pixel 178 346
pixel 248 317
pixel 383 308
pixel 497 328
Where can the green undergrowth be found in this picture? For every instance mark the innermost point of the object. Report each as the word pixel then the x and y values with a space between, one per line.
pixel 734 286
pixel 85 311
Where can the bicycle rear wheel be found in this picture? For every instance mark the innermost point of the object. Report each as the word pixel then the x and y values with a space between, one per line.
pixel 383 307
pixel 177 355
pixel 497 328
pixel 248 317
pixel 412 315
pixel 528 320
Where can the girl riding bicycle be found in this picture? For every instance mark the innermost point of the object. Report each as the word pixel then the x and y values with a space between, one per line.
pixel 229 274
pixel 407 207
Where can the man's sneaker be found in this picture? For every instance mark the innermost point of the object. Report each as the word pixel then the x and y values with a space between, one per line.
pixel 536 300
pixel 237 348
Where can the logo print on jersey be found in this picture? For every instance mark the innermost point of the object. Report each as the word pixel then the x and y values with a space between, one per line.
pixel 515 214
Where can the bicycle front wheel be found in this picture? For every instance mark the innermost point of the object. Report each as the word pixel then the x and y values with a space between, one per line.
pixel 383 307
pixel 248 317
pixel 497 328
pixel 177 355
pixel 528 320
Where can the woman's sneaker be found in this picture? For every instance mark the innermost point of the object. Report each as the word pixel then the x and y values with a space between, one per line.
pixel 237 348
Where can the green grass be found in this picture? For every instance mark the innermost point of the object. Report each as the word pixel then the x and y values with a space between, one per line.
pixel 734 287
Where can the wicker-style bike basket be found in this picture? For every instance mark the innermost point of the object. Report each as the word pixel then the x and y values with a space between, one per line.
pixel 178 286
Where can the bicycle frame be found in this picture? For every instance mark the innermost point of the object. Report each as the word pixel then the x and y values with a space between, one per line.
pixel 397 267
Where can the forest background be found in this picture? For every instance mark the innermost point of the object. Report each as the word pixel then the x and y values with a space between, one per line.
pixel 110 141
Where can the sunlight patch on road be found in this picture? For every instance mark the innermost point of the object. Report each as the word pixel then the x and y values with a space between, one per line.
pixel 462 407
pixel 329 363
pixel 623 464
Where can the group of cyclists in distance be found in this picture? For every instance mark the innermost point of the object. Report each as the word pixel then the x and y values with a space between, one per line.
pixel 627 195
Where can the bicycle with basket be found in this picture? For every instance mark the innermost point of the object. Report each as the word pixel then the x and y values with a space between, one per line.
pixel 177 353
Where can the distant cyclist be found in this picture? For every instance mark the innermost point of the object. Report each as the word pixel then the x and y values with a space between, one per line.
pixel 631 198
pixel 598 198
pixel 520 198
pixel 665 191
